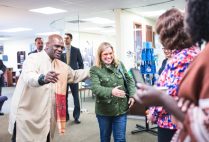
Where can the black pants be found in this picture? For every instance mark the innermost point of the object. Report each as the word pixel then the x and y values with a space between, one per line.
pixel 14 135
pixel 77 109
pixel 165 135
pixel 2 100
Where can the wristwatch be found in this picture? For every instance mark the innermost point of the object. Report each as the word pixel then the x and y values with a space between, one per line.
pixel 41 79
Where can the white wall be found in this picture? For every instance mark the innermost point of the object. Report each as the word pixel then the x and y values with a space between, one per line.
pixel 127 21
pixel 89 40
pixel 12 47
pixel 81 40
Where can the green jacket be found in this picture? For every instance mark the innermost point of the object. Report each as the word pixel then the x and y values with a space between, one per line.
pixel 104 79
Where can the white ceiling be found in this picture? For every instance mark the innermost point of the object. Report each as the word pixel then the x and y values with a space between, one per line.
pixel 15 13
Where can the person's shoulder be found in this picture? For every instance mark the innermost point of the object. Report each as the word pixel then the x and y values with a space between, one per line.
pixel 194 51
pixel 94 68
pixel 120 64
pixel 34 51
pixel 74 48
pixel 62 64
pixel 32 55
pixel 34 58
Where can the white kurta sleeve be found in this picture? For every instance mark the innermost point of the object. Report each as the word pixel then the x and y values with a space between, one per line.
pixel 75 76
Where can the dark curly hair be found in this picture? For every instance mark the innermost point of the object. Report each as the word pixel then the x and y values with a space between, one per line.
pixel 197 20
pixel 170 27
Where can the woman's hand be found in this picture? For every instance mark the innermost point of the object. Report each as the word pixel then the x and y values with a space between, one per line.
pixel 118 92
pixel 131 102
pixel 149 96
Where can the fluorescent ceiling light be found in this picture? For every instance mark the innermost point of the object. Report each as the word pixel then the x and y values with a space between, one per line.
pixel 48 10
pixel 92 29
pixel 47 33
pixel 3 38
pixel 152 13
pixel 99 20
pixel 13 30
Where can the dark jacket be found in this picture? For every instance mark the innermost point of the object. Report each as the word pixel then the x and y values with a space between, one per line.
pixel 103 81
pixel 163 66
pixel 76 61
pixel 35 51
pixel 3 68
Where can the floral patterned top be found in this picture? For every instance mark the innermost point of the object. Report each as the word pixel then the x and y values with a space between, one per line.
pixel 170 78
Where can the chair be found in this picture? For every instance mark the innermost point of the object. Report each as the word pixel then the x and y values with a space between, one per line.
pixel 2 100
pixel 139 109
pixel 83 87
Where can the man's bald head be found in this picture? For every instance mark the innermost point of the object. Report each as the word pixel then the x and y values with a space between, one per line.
pixel 54 46
pixel 55 38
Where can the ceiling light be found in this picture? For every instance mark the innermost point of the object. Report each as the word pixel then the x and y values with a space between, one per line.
pixel 13 30
pixel 3 38
pixel 91 29
pixel 48 10
pixel 47 33
pixel 99 20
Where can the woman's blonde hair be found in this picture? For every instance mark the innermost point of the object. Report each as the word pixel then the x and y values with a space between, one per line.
pixel 101 48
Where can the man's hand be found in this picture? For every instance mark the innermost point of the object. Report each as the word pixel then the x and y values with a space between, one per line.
pixel 51 77
pixel 118 93
pixel 148 95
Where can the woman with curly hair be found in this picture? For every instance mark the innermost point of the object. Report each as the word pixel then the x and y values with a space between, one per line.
pixel 192 107
pixel 170 27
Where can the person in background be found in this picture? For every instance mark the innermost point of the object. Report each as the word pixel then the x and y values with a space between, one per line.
pixel 109 88
pixel 192 107
pixel 2 98
pixel 168 54
pixel 170 27
pixel 2 71
pixel 38 44
pixel 38 101
pixel 73 58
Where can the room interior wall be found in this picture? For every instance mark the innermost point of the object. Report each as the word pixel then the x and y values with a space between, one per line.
pixel 80 40
pixel 85 40
pixel 127 35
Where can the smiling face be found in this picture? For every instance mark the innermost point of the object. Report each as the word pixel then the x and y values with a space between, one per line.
pixel 107 56
pixel 55 46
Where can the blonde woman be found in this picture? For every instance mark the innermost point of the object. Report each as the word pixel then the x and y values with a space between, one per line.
pixel 110 84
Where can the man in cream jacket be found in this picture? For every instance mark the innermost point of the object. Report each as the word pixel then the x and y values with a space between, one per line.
pixel 33 108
